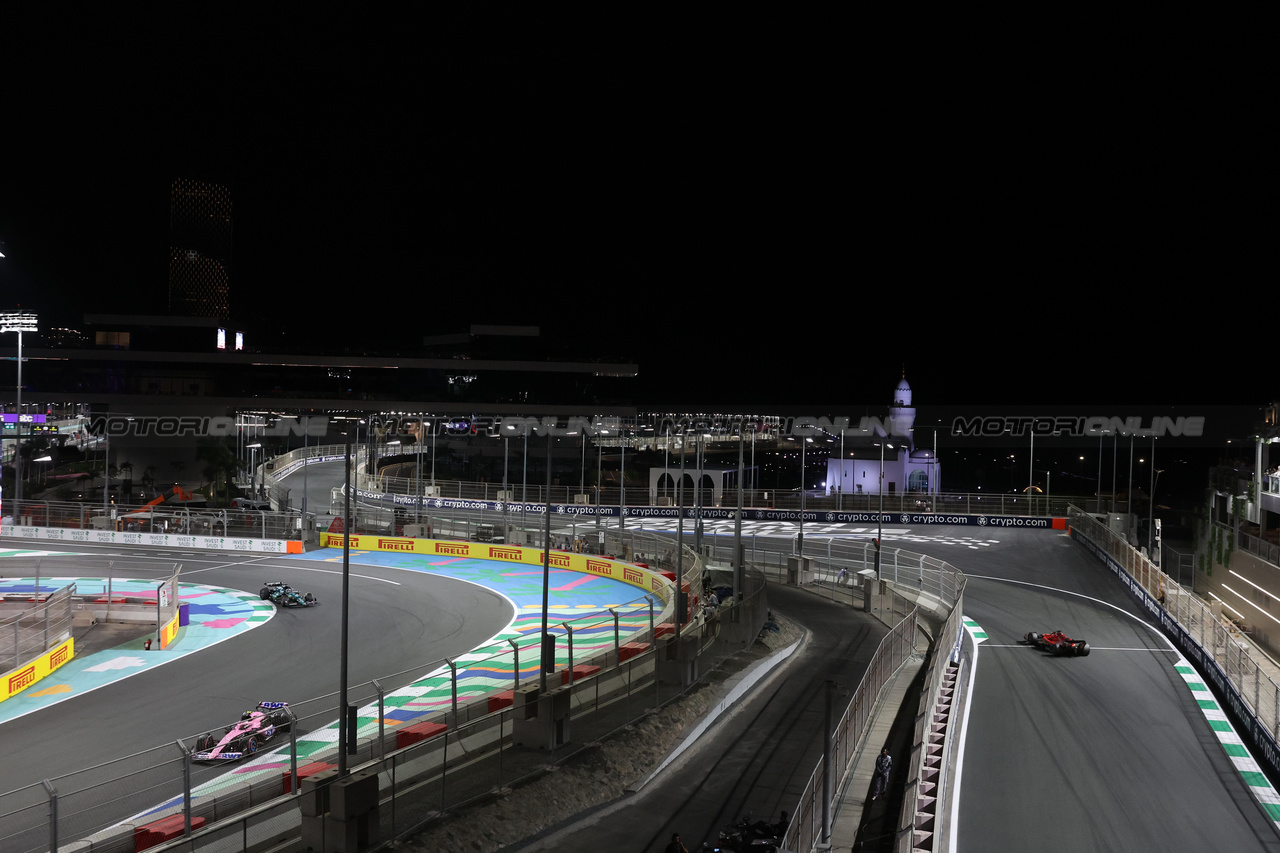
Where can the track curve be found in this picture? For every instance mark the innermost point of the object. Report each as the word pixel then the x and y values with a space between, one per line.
pixel 398 621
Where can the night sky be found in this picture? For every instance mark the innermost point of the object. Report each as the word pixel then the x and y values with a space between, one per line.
pixel 757 213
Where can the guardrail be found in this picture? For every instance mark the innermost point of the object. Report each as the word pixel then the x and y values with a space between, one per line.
pixel 171 519
pixel 1243 673
pixel 626 687
pixel 607 500
pixel 28 632
pixel 914 583
pixel 616 675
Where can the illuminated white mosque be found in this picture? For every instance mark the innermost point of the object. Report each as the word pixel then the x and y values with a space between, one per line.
pixel 907 468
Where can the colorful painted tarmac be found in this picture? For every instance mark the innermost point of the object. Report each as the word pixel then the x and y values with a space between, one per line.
pixel 215 614
pixel 580 599
pixel 584 601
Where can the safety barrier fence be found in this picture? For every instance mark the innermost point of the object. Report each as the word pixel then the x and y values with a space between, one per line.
pixel 1256 546
pixel 420 487
pixel 474 761
pixel 172 518
pixel 619 693
pixel 914 583
pixel 33 622
pixel 79 805
pixel 1243 674
pixel 922 819
pixel 32 625
pixel 806 828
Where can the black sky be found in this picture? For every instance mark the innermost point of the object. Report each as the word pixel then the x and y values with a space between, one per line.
pixel 756 212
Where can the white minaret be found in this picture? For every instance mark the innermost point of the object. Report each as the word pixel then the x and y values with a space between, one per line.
pixel 902 415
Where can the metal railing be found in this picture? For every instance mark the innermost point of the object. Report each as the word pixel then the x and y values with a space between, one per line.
pixel 911 579
pixel 172 519
pixel 1256 546
pixel 806 827
pixel 421 780
pixel 27 632
pixel 92 801
pixel 1253 676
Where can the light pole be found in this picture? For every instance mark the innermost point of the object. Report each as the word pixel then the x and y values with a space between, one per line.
pixel 432 427
pixel 506 496
pixel 1151 508
pixel 1101 433
pixel 840 483
pixel 1115 445
pixel 599 470
pixel 18 322
pixel 253 471
pixel 804 442
pixel 306 435
pixel 880 513
pixel 1031 463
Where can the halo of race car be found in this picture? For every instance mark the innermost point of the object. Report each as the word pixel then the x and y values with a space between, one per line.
pixel 281 594
pixel 246 737
pixel 1058 644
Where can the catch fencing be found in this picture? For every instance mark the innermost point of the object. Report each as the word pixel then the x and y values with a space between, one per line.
pixel 27 631
pixel 173 519
pixel 614 652
pixel 1236 667
pixel 913 586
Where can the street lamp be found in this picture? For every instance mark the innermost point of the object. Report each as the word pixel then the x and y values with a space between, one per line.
pixel 1151 509
pixel 1101 433
pixel 800 534
pixel 253 470
pixel 880 513
pixel 18 322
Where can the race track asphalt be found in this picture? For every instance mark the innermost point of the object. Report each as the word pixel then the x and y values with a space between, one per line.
pixel 1105 752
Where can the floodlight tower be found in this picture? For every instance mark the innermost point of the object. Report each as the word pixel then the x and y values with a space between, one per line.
pixel 17 321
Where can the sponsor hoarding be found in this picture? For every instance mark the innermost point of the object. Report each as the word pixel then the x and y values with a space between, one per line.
pixel 646 579
pixel 19 679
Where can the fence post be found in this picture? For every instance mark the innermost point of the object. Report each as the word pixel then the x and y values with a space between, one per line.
pixel 53 813
pixel 653 641
pixel 382 716
pixel 569 704
pixel 293 750
pixel 617 641
pixel 186 789
pixel 453 686
pixel 515 668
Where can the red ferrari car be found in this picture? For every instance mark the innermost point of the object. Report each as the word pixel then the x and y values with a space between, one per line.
pixel 1058 643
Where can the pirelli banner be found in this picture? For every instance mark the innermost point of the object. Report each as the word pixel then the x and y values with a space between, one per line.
pixel 17 680
pixel 646 579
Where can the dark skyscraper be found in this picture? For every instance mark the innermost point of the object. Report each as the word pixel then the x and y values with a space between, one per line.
pixel 199 249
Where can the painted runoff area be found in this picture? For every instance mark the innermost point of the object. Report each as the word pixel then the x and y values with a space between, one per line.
pixel 216 614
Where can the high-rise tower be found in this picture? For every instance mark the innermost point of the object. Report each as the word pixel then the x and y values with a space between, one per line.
pixel 199 249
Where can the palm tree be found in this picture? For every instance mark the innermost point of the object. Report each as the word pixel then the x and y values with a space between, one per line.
pixel 220 462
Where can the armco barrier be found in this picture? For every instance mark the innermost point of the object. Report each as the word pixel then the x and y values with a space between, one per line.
pixel 1205 642
pixel 618 683
pixel 158 540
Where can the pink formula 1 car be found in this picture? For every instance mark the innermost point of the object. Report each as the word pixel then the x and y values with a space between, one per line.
pixel 1058 643
pixel 246 737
